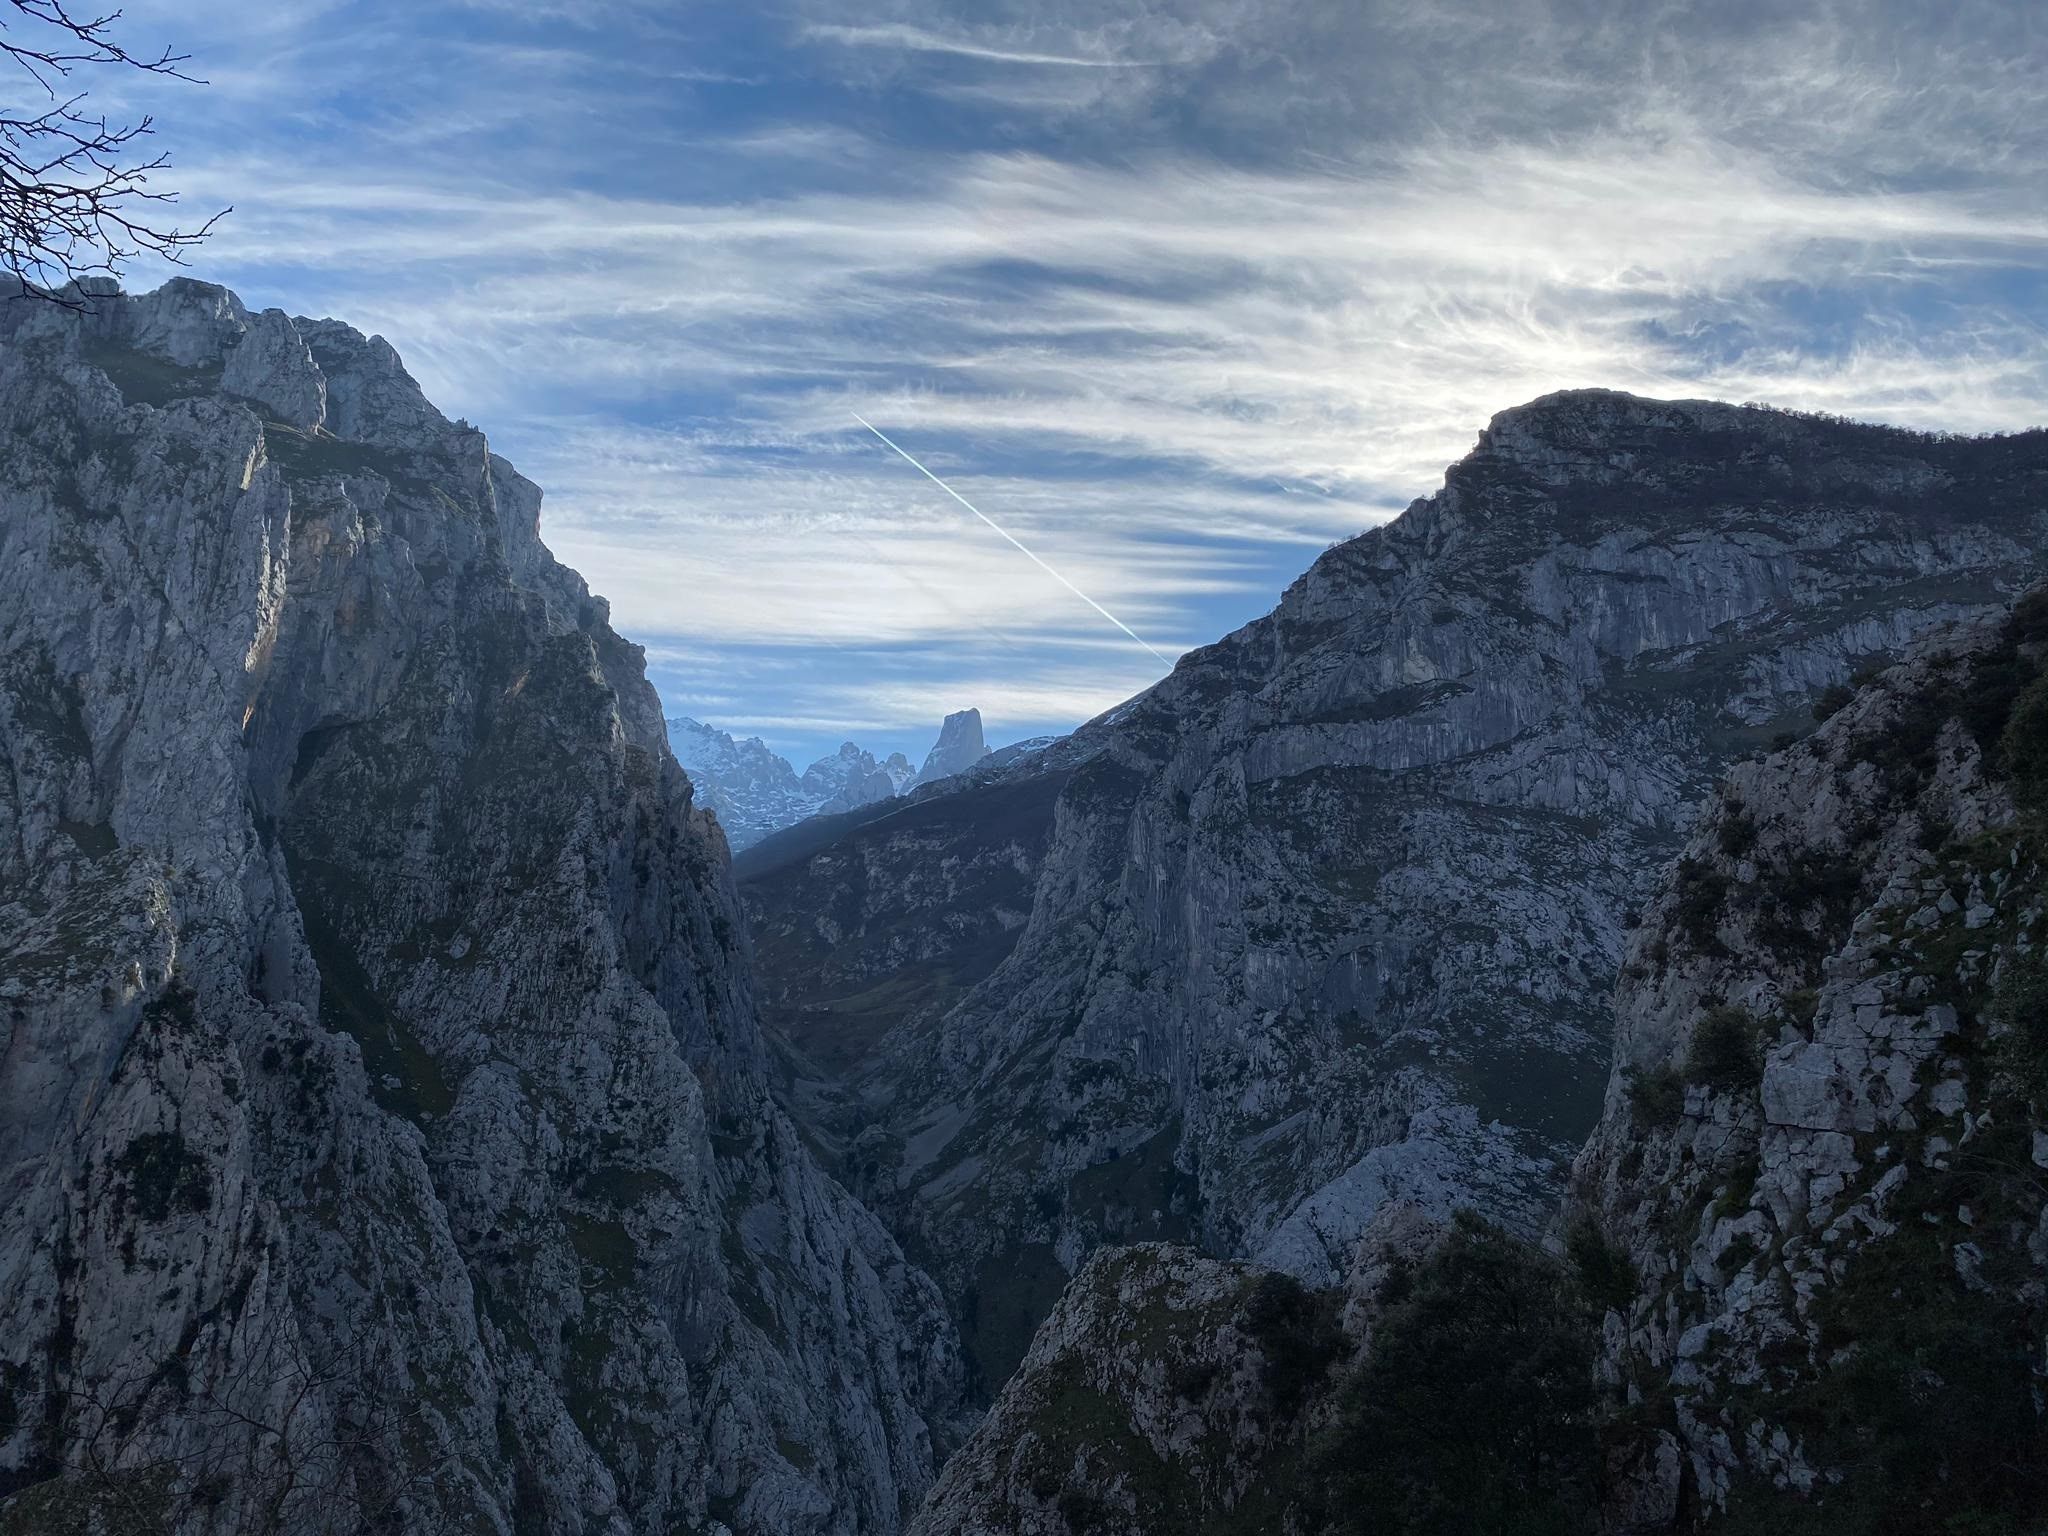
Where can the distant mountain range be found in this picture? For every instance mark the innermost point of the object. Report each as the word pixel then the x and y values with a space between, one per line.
pixel 754 791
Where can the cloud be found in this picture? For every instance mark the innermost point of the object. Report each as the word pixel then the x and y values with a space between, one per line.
pixel 919 40
pixel 1250 301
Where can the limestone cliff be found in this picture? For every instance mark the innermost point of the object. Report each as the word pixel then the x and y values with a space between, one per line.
pixel 384 1136
pixel 1806 1287
pixel 1332 915
pixel 1823 1145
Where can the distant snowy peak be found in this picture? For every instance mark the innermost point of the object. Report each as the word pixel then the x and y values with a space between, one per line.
pixel 750 789
pixel 850 779
pixel 703 747
pixel 754 791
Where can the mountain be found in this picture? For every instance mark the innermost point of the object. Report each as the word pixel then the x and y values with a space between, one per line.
pixel 751 790
pixel 1329 917
pixel 385 1132
pixel 958 748
pixel 391 1137
pixel 1821 1159
pixel 1807 1272
pixel 851 778
pixel 755 793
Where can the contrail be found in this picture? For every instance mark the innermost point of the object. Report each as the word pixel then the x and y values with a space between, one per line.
pixel 970 506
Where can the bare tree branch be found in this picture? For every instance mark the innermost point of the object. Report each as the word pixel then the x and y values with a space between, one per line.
pixel 76 198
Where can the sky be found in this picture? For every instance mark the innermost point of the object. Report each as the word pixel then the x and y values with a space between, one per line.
pixel 1177 294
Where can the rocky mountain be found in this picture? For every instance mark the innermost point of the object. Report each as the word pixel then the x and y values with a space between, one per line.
pixel 750 789
pixel 958 748
pixel 1823 1158
pixel 1169 1392
pixel 1330 916
pixel 385 1135
pixel 1807 1276
pixel 851 778
pixel 755 793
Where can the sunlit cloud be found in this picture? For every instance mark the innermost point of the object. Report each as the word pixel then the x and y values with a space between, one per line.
pixel 1251 299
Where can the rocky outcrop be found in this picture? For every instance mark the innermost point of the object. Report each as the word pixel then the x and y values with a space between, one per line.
pixel 1330 916
pixel 1168 1392
pixel 1823 1144
pixel 384 1126
pixel 958 748
pixel 1141 1407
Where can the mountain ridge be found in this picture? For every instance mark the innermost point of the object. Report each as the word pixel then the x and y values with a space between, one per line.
pixel 387 1135
pixel 1316 922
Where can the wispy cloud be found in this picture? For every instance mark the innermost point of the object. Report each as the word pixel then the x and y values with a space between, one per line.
pixel 1252 299
pixel 919 40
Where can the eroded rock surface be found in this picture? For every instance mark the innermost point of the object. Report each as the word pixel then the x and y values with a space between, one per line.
pixel 1331 916
pixel 1822 1148
pixel 384 1130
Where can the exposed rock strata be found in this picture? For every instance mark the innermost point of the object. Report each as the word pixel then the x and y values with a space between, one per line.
pixel 1822 1147
pixel 383 1121
pixel 1332 914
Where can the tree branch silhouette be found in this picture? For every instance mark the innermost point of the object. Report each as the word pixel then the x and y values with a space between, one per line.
pixel 76 192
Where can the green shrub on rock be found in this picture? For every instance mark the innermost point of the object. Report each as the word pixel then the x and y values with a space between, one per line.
pixel 1475 1413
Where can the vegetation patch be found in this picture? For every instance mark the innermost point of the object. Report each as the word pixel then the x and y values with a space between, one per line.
pixel 153 381
pixel 164 1175
pixel 1604 1274
pixel 1475 1410
pixel 1929 1402
pixel 1656 1098
pixel 1702 892
pixel 1297 1335
pixel 1726 1054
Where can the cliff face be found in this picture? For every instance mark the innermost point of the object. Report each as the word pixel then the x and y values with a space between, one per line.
pixel 1331 915
pixel 959 747
pixel 383 1121
pixel 1806 1276
pixel 1823 1146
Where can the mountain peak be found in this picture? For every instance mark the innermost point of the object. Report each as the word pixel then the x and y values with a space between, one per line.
pixel 959 747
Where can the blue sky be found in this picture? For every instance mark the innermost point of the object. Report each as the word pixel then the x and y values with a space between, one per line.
pixel 1180 294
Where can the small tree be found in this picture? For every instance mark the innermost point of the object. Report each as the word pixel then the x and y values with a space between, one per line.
pixel 1474 1413
pixel 75 193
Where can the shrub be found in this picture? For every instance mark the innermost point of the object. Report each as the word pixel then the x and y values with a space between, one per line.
pixel 1726 1052
pixel 2023 747
pixel 1657 1099
pixel 1808 881
pixel 1829 701
pixel 2021 1003
pixel 1296 1332
pixel 1701 892
pixel 1605 1276
pixel 1082 1511
pixel 164 1174
pixel 1475 1410
pixel 1737 833
pixel 1190 1380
